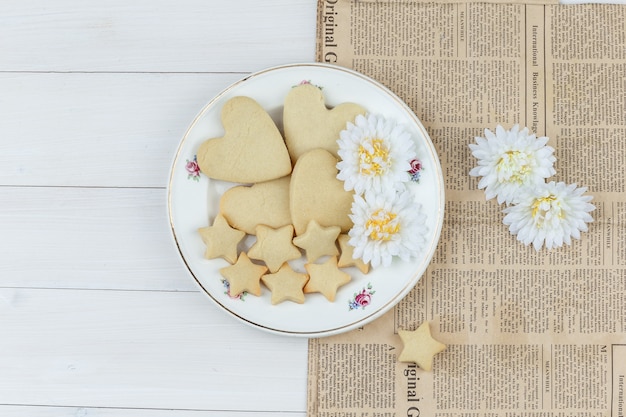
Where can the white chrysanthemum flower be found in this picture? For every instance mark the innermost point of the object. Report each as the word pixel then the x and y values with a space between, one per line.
pixel 386 225
pixel 550 214
pixel 509 161
pixel 375 155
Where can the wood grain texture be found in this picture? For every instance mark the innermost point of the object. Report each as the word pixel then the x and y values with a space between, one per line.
pixel 98 316
pixel 111 130
pixel 155 36
pixel 88 238
pixel 141 349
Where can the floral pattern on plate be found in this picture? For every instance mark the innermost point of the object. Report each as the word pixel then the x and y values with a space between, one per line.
pixel 241 296
pixel 416 170
pixel 362 299
pixel 193 169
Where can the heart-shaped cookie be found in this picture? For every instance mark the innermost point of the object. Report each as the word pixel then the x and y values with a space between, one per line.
pixel 315 193
pixel 309 124
pixel 252 148
pixel 265 203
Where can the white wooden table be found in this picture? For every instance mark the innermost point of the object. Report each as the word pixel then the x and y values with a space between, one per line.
pixel 98 316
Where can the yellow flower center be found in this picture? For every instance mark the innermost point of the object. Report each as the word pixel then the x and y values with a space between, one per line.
pixel 373 159
pixel 545 209
pixel 513 166
pixel 382 225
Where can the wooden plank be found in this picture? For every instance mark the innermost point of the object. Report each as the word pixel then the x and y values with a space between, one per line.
pixel 88 238
pixel 161 36
pixel 115 130
pixel 98 316
pixel 38 411
pixel 142 349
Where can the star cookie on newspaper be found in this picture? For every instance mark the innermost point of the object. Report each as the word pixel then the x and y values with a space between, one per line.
pixel 346 258
pixel 286 284
pixel 221 240
pixel 244 276
pixel 318 241
pixel 419 347
pixel 325 278
pixel 274 246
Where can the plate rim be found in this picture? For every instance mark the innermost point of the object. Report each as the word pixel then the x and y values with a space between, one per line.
pixel 394 299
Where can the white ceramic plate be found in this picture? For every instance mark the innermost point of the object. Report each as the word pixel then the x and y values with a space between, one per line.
pixel 193 203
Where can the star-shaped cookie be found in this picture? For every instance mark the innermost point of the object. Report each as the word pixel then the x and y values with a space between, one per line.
pixel 346 258
pixel 318 241
pixel 274 246
pixel 244 276
pixel 419 347
pixel 286 284
pixel 221 240
pixel 325 278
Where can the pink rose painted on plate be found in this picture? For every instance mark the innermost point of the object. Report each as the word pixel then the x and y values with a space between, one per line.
pixel 304 82
pixel 234 297
pixel 362 299
pixel 416 170
pixel 193 170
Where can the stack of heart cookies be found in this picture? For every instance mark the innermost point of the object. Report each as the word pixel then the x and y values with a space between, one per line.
pixel 292 201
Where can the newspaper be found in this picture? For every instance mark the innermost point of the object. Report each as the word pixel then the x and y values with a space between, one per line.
pixel 528 334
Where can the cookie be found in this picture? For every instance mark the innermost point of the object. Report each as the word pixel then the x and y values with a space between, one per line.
pixel 325 278
pixel 244 276
pixel 419 347
pixel 267 203
pixel 251 150
pixel 318 241
pixel 309 124
pixel 315 193
pixel 346 259
pixel 221 240
pixel 274 246
pixel 286 284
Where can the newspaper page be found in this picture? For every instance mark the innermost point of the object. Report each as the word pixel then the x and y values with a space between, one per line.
pixel 528 333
